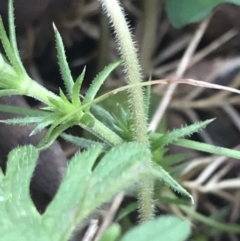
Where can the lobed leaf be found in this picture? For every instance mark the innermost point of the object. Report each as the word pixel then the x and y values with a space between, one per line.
pixel 19 218
pixel 120 168
pixel 60 216
pixel 87 189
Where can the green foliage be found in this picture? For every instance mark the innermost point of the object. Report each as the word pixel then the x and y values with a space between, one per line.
pixel 76 89
pixel 183 12
pixel 163 228
pixel 18 214
pixel 62 111
pixel 112 233
pixel 63 64
pixel 158 140
pixel 83 142
pixel 89 188
pixel 208 148
pixel 164 176
pixel 94 176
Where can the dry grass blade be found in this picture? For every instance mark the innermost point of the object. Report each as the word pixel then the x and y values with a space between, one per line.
pixel 180 71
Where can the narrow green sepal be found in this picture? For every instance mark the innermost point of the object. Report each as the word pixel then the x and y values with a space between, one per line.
pixel 63 96
pixel 76 89
pixel 63 64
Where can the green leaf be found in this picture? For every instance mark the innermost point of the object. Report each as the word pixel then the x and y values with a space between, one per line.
pixel 63 64
pixel 124 122
pixel 105 116
pixel 174 135
pixel 182 12
pixel 165 177
pixel 19 219
pixel 169 200
pixel 112 233
pixel 10 79
pixel 164 228
pixel 221 151
pixel 23 121
pixel 60 216
pixel 12 37
pixel 82 142
pixel 87 189
pixel 56 104
pixel 117 170
pixel 98 81
pixel 53 133
pixel 76 89
pixel 8 48
pixel 126 211
pixel 172 159
pixel 22 110
pixel 222 227
pixel 45 122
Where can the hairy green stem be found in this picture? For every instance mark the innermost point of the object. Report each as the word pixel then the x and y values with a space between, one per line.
pixel 33 89
pixel 132 69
